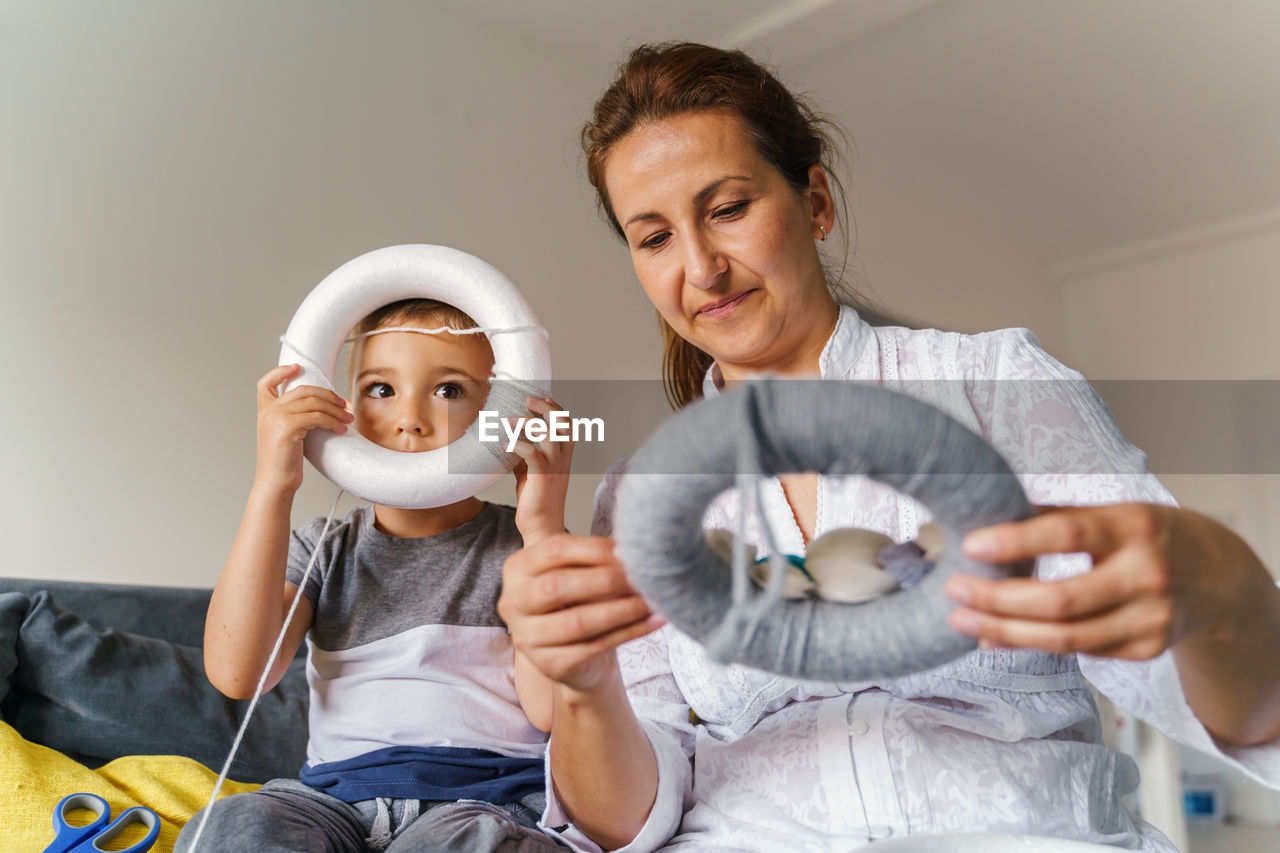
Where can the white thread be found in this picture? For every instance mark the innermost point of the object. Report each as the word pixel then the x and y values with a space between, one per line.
pixel 257 693
pixel 747 609
pixel 444 330
pixel 496 374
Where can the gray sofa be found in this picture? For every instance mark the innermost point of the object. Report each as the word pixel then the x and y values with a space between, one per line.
pixel 98 671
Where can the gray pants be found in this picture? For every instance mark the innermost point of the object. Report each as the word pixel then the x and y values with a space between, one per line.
pixel 287 815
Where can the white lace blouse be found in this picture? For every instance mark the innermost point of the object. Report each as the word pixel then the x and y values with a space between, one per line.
pixel 998 741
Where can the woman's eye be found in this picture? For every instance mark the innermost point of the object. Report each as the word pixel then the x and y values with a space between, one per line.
pixel 379 390
pixel 654 242
pixel 450 391
pixel 730 210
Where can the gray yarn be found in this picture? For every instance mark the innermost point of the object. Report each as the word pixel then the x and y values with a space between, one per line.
pixel 769 427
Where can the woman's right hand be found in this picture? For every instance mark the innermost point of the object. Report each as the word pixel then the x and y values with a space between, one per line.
pixel 284 421
pixel 568 605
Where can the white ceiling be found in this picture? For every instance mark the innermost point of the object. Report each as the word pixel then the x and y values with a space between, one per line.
pixel 1075 128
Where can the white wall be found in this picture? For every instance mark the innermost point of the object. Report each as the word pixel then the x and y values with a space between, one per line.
pixel 934 266
pixel 1201 305
pixel 174 178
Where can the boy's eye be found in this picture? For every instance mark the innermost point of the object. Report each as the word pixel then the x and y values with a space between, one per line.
pixel 450 391
pixel 379 390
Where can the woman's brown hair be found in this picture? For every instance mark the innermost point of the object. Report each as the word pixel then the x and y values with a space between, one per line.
pixel 658 81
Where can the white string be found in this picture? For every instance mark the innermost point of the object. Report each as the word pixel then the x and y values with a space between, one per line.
pixel 257 693
pixel 311 364
pixel 444 330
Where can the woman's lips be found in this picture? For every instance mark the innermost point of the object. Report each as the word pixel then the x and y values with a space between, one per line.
pixel 724 306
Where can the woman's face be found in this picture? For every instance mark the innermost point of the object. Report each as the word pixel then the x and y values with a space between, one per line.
pixel 722 244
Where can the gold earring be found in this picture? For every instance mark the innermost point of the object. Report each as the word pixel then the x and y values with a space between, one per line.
pixel 824 233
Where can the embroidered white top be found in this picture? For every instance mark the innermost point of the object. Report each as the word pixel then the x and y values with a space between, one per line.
pixel 998 741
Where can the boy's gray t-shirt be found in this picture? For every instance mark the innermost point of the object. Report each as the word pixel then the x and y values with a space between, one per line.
pixel 406 647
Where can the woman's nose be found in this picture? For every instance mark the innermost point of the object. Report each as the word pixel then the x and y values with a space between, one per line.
pixel 703 262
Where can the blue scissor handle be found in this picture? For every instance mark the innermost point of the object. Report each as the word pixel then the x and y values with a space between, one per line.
pixel 137 814
pixel 67 836
pixel 85 839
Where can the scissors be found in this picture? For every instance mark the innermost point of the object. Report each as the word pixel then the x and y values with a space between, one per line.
pixel 86 838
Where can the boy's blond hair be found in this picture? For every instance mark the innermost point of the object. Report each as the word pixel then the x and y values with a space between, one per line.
pixel 427 313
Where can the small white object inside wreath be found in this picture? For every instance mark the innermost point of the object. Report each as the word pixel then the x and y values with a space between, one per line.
pixel 848 564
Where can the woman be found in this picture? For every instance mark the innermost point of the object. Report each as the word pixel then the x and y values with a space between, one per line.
pixel 713 174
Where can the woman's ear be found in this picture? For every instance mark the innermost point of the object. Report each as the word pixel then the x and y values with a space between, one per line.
pixel 822 209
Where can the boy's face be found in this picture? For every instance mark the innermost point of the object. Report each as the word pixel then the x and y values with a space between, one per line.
pixel 416 392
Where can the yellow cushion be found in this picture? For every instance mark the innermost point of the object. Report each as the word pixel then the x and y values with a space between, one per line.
pixel 34 778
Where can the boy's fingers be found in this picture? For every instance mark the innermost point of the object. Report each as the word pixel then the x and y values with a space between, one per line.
pixel 272 378
pixel 317 404
pixel 306 392
pixel 542 405
pixel 310 420
pixel 526 450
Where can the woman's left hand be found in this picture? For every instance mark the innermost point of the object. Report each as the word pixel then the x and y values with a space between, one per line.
pixel 1160 574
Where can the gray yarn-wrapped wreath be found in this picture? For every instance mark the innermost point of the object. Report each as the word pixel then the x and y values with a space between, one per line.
pixel 769 427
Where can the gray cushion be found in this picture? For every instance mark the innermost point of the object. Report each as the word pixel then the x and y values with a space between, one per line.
pixel 168 613
pixel 97 694
pixel 13 607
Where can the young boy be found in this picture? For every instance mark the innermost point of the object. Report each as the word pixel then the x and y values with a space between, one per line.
pixel 417 737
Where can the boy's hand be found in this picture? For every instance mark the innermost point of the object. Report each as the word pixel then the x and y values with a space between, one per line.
pixel 284 421
pixel 542 479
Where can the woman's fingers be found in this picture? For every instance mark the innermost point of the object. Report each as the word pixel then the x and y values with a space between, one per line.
pixel 1127 606
pixel 569 664
pixel 567 602
pixel 560 571
pixel 568 587
pixel 563 550
pixel 1138 629
pixel 1057 530
pixel 586 622
pixel 1123 576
